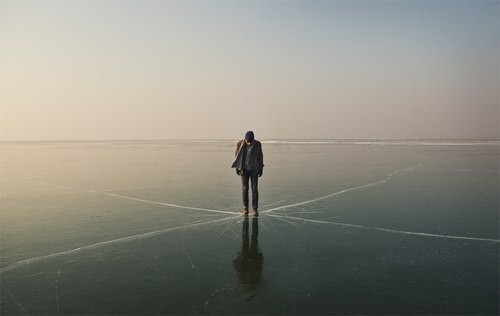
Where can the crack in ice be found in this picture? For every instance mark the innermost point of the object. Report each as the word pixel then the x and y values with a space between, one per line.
pixel 217 291
pixel 167 204
pixel 229 224
pixel 388 177
pixel 388 230
pixel 108 242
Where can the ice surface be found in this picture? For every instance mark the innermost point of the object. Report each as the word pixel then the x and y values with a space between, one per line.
pixel 145 228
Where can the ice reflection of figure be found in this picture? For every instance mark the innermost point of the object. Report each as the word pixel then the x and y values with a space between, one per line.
pixel 249 261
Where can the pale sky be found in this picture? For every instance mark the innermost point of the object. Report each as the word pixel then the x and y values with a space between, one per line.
pixel 78 70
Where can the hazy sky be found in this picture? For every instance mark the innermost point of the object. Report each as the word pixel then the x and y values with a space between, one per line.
pixel 329 69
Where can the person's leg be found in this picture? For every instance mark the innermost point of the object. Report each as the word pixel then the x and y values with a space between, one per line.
pixel 244 188
pixel 255 191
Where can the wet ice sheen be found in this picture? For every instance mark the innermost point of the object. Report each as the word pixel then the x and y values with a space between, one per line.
pixel 303 225
pixel 265 212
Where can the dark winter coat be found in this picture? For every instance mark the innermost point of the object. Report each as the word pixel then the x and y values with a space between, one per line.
pixel 258 157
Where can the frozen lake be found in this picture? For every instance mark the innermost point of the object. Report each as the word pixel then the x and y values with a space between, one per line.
pixel 346 227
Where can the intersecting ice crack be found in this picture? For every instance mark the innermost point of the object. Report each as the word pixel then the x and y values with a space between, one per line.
pixel 109 242
pixel 233 216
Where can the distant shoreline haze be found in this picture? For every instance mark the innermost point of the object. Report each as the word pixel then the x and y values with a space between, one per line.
pixel 264 140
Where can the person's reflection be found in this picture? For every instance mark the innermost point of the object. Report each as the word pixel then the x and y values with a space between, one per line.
pixel 249 261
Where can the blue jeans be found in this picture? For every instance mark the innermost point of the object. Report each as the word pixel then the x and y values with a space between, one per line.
pixel 245 177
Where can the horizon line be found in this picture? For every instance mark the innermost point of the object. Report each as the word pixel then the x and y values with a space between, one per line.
pixel 494 138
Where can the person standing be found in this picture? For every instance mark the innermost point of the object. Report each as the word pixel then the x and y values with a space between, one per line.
pixel 249 164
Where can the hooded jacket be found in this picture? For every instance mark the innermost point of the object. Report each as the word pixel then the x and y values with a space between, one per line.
pixel 258 158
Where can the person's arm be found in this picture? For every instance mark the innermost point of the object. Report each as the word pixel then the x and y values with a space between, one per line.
pixel 238 145
pixel 261 161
